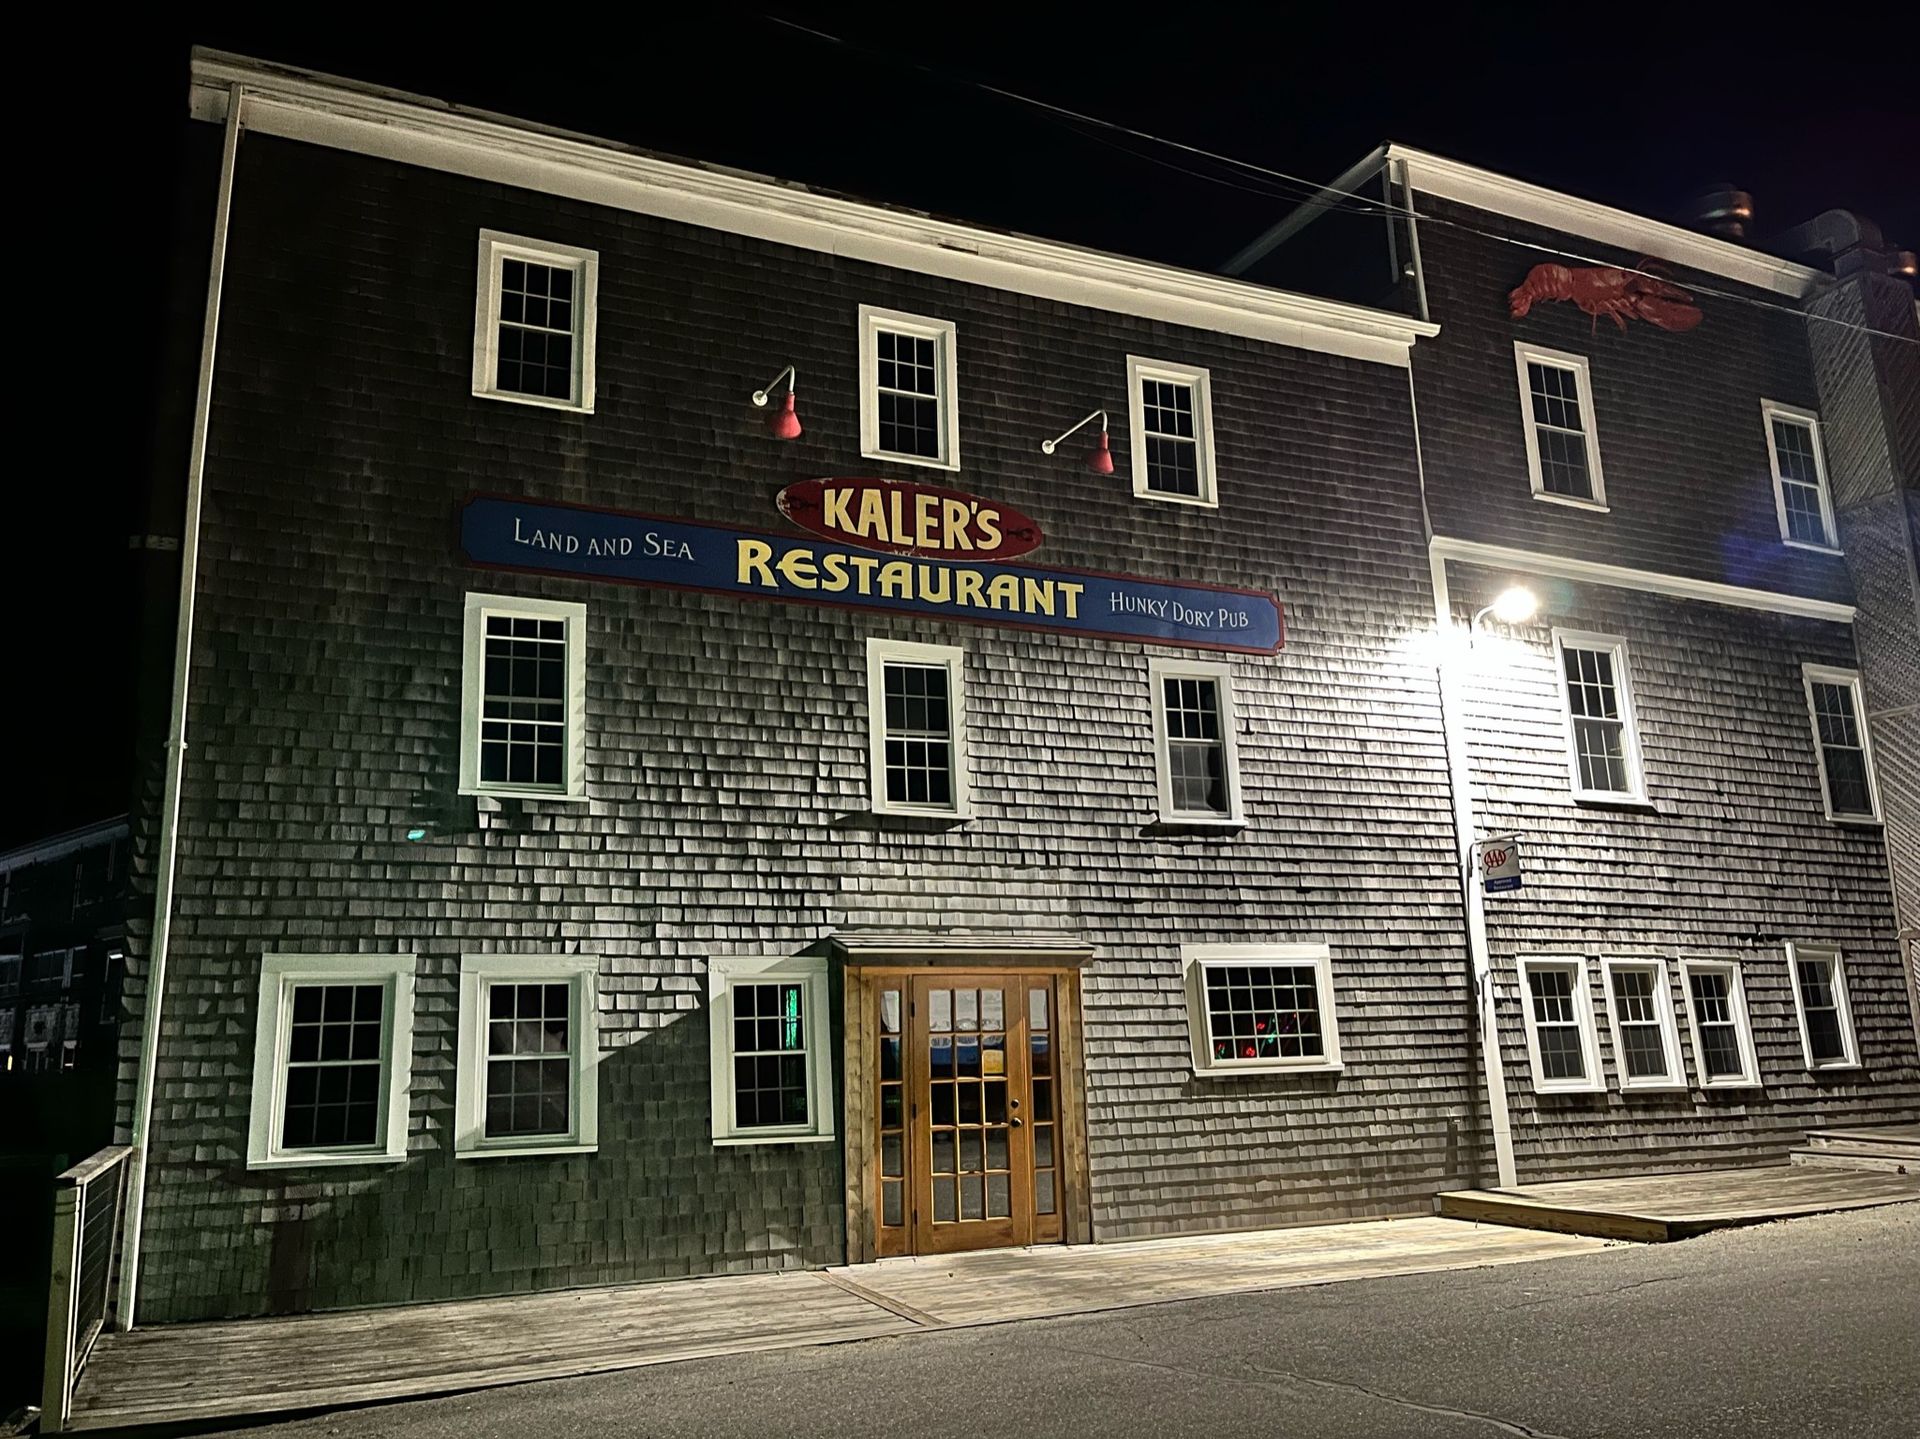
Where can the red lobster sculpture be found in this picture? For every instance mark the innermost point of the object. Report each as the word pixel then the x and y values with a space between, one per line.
pixel 1618 294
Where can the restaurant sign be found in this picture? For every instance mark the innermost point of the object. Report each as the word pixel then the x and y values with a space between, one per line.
pixel 612 545
pixel 904 518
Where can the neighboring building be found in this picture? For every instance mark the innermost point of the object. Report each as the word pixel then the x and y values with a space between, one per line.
pixel 63 906
pixel 619 839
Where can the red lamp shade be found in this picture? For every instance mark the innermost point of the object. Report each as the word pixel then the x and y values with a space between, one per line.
pixel 783 423
pixel 1100 458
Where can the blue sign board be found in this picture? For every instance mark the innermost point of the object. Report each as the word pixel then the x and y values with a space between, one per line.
pixel 633 549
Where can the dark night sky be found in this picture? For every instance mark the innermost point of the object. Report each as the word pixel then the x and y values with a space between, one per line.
pixel 1624 103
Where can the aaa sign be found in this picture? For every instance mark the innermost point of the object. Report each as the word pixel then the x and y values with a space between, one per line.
pixel 903 518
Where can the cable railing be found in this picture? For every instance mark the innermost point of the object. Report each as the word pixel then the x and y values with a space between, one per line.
pixel 86 1233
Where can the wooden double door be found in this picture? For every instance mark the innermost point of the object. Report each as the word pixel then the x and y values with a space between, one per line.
pixel 975 1138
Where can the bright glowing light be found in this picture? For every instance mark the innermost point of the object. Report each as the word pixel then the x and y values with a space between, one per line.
pixel 1515 606
pixel 415 835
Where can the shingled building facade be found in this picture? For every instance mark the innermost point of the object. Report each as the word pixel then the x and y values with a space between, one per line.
pixel 622 838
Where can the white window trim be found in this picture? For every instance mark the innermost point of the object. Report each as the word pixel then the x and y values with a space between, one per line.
pixel 1675 1077
pixel 473 676
pixel 1140 368
pixel 581 974
pixel 1523 354
pixel 272 1022
pixel 880 653
pixel 1843 1005
pixel 946 347
pixel 1749 1076
pixel 496 247
pixel 1158 672
pixel 1769 409
pixel 1810 675
pixel 1195 959
pixel 811 970
pixel 1595 1082
pixel 1629 715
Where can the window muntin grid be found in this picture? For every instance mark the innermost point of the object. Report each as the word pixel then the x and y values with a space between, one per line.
pixel 1560 436
pixel 335 1057
pixel 1843 751
pixel 969 1117
pixel 523 705
pixel 530 1061
pixel 1716 1024
pixel 1600 741
pixel 1818 982
pixel 1558 1040
pixel 1797 470
pixel 1171 437
pixel 1196 745
pixel 907 393
pixel 918 734
pixel 770 1088
pixel 893 1110
pixel 1262 1013
pixel 537 336
pixel 1638 1023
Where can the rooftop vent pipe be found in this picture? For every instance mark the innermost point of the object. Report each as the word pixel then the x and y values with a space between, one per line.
pixel 1725 212
pixel 1841 239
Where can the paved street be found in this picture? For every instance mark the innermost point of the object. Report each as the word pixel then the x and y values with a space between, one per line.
pixel 1802 1329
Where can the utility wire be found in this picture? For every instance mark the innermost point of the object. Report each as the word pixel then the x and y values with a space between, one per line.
pixel 1302 191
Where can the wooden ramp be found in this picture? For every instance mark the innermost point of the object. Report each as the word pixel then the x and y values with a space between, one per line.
pixel 244 1369
pixel 1655 1208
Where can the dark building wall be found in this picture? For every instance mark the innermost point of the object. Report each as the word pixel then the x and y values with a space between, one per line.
pixel 1732 859
pixel 726 752
pixel 1682 447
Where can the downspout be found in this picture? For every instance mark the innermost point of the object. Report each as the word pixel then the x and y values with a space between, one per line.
pixel 1453 726
pixel 176 751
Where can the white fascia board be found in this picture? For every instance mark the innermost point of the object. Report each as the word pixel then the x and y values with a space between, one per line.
pixel 1503 195
pixel 410 129
pixel 1622 577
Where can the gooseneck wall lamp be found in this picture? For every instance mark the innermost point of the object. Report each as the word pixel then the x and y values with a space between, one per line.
pixel 1511 607
pixel 1100 457
pixel 783 423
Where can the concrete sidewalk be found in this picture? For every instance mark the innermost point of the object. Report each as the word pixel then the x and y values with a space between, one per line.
pixel 243 1369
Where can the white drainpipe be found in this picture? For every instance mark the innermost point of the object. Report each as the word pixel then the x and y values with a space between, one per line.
pixel 176 753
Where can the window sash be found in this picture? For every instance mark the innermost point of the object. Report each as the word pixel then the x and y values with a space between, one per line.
pixel 916 719
pixel 1558 1011
pixel 352 1084
pixel 1840 739
pixel 1799 477
pixel 1820 997
pixel 523 683
pixel 1596 695
pixel 775 1058
pixel 1261 1008
pixel 535 322
pixel 525 1057
pixel 1171 427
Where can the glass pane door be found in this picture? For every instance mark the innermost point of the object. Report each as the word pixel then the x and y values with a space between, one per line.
pixel 973 1184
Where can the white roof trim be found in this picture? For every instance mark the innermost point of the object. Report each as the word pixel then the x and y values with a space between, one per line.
pixel 1473 552
pixel 1451 180
pixel 368 120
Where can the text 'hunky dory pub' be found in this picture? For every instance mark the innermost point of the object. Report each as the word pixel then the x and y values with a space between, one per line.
pixel 624 838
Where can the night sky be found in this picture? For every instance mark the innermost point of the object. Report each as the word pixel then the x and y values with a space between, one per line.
pixel 1622 104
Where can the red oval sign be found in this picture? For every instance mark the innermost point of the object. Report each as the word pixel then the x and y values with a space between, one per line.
pixel 903 518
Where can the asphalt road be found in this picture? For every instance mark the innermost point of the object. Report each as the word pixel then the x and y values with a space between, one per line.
pixel 1803 1329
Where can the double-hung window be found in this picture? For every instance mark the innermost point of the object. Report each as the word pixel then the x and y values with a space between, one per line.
pixel 534 321
pixel 333 1048
pixel 1261 1008
pixel 771 1075
pixel 1646 1038
pixel 1603 743
pixel 1820 999
pixel 529 1051
pixel 909 406
pixel 916 706
pixel 1195 753
pixel 1558 1009
pixel 1834 700
pixel 523 698
pixel 1717 1022
pixel 1563 449
pixel 1170 412
pixel 1801 499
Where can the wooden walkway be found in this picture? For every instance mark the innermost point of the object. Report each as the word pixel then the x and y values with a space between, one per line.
pixel 247 1368
pixel 1655 1208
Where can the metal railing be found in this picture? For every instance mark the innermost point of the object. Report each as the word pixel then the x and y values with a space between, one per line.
pixel 86 1234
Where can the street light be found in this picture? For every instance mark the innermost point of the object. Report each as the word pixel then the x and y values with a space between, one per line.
pixel 1513 606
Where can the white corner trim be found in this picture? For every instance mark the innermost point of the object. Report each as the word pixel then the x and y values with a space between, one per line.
pixel 1538 562
pixel 1502 195
pixel 723 972
pixel 272 1019
pixel 581 974
pixel 412 129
